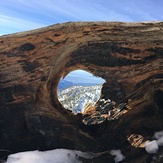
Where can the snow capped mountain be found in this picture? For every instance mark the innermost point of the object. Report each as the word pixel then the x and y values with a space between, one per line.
pixel 78 90
pixel 77 98
pixel 64 84
pixel 79 78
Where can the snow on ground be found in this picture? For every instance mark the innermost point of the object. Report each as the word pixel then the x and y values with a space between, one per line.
pixel 57 156
pixel 153 146
pixel 118 155
pixel 51 156
pixel 72 156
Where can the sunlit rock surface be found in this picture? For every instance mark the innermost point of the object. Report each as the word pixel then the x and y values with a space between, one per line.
pixel 127 55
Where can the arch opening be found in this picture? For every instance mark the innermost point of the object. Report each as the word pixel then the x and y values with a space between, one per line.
pixel 79 90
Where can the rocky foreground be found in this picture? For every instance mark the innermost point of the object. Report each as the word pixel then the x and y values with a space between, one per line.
pixel 127 55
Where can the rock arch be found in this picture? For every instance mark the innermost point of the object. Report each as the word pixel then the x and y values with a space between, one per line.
pixel 79 90
pixel 127 55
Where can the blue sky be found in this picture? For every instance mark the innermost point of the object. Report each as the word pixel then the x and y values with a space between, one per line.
pixel 22 15
pixel 81 76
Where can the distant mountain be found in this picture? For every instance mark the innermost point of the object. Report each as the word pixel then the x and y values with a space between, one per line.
pixel 77 98
pixel 79 78
pixel 63 84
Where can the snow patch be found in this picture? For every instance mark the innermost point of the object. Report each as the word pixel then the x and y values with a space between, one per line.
pixel 160 141
pixel 157 135
pixel 153 146
pixel 118 155
pixel 51 156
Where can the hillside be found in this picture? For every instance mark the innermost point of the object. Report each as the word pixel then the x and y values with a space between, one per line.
pixel 77 98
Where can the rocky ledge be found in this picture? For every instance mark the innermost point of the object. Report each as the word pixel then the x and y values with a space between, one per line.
pixel 127 55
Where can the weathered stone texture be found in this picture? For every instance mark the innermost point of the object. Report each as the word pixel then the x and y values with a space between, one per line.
pixel 127 55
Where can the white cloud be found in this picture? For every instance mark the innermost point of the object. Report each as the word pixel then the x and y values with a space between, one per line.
pixel 75 10
pixel 118 155
pixel 12 24
pixel 52 156
pixel 12 21
pixel 47 12
pixel 66 9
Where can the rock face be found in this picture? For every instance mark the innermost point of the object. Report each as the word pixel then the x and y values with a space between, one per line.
pixel 127 55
